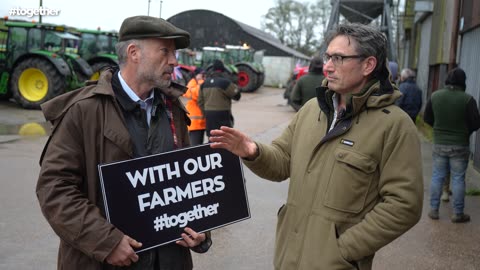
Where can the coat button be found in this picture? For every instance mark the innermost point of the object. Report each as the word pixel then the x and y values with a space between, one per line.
pixel 341 155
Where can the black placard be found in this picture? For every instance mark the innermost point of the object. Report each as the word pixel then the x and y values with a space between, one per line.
pixel 198 187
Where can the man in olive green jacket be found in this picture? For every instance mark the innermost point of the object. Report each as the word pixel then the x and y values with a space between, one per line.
pixel 353 159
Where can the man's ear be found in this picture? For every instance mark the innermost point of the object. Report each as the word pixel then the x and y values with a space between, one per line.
pixel 133 53
pixel 369 65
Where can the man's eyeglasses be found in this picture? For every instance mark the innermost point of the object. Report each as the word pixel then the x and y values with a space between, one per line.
pixel 338 59
pixel 167 52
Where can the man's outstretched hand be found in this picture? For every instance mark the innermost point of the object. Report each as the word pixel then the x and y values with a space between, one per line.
pixel 234 141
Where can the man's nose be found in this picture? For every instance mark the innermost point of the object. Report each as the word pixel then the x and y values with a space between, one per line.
pixel 172 60
pixel 328 66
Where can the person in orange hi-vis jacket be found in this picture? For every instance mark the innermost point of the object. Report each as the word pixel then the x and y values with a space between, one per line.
pixel 196 129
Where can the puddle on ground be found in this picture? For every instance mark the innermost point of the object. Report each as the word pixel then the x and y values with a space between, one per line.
pixel 27 129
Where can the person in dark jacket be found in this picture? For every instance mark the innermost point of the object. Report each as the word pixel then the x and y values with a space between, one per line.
pixel 306 87
pixel 215 98
pixel 454 116
pixel 129 113
pixel 411 99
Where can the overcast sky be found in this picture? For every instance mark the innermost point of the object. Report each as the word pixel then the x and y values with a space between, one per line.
pixel 109 14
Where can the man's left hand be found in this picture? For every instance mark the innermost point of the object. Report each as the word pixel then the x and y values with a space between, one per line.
pixel 191 238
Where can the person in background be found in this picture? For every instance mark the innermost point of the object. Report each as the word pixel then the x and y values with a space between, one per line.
pixel 411 99
pixel 215 98
pixel 196 130
pixel 454 116
pixel 353 159
pixel 393 68
pixel 130 112
pixel 306 87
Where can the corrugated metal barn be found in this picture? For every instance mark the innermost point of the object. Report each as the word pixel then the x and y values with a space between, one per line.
pixel 470 58
pixel 209 28
pixel 447 34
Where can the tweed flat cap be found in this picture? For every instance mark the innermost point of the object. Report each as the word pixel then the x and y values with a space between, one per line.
pixel 140 27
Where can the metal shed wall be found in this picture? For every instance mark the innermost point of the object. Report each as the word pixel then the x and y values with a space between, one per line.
pixel 423 57
pixel 470 13
pixel 441 32
pixel 470 63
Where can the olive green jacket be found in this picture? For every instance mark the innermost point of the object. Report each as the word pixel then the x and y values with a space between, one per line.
pixel 305 89
pixel 352 190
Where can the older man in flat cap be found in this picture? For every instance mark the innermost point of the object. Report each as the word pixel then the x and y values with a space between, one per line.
pixel 130 112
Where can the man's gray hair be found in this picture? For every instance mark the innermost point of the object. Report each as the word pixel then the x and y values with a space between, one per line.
pixel 368 42
pixel 407 73
pixel 121 49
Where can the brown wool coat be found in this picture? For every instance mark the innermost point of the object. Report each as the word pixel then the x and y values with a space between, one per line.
pixel 88 129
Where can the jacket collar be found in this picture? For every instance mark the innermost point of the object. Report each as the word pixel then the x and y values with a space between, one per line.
pixel 371 96
pixel 455 88
pixel 55 108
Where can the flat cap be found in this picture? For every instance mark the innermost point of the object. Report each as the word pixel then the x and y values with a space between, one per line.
pixel 140 27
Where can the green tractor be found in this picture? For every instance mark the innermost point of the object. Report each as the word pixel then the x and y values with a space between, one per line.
pixel 38 62
pixel 251 73
pixel 209 54
pixel 98 48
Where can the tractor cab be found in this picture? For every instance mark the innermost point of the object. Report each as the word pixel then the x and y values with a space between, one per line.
pixel 98 48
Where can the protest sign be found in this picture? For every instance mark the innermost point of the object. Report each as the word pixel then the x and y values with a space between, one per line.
pixel 153 198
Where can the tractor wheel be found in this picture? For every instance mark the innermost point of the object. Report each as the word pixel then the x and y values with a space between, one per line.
pixel 247 79
pixel 6 96
pixel 82 78
pixel 289 88
pixel 233 77
pixel 97 68
pixel 261 80
pixel 35 81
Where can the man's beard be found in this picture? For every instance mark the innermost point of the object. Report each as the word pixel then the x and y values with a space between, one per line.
pixel 155 80
pixel 161 83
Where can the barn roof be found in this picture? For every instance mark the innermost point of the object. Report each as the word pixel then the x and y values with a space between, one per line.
pixel 247 29
pixel 270 39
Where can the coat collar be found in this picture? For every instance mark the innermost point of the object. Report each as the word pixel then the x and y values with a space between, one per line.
pixel 55 108
pixel 371 96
